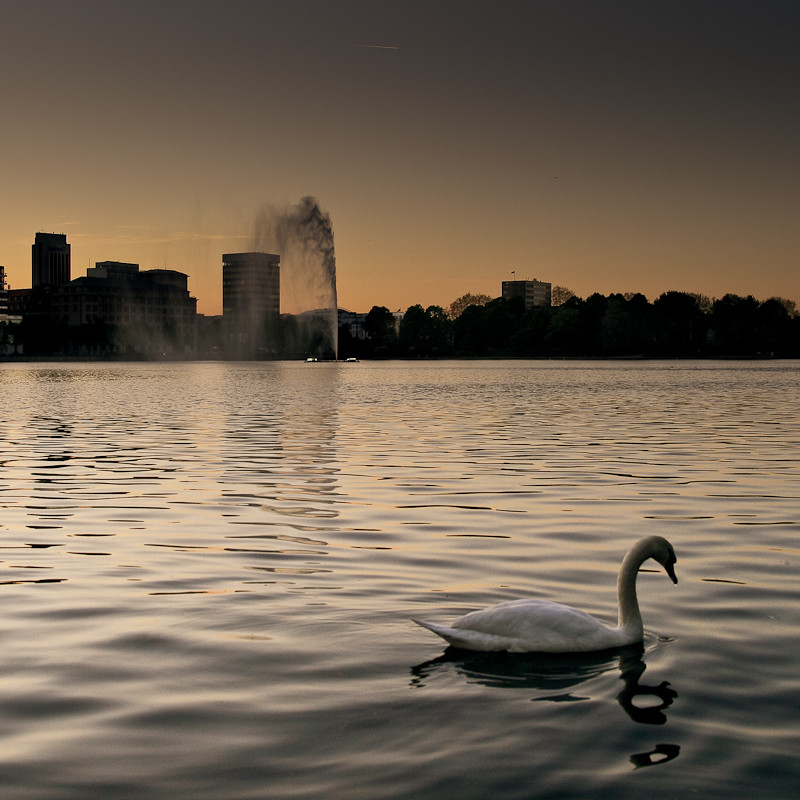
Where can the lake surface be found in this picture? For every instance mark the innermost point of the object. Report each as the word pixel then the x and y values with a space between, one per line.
pixel 207 572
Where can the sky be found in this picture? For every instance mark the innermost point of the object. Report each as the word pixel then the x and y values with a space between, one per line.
pixel 604 146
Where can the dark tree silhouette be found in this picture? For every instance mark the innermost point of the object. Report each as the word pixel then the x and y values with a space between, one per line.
pixel 425 332
pixel 381 332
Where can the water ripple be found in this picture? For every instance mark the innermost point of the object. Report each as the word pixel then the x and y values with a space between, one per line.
pixel 208 570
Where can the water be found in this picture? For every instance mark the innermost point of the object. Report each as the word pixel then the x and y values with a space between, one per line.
pixel 207 573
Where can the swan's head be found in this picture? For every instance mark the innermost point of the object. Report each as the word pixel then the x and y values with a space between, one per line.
pixel 663 552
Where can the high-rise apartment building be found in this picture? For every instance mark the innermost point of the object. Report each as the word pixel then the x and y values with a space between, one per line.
pixel 50 260
pixel 533 293
pixel 251 300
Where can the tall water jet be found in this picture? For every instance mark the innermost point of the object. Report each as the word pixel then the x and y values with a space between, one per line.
pixel 302 235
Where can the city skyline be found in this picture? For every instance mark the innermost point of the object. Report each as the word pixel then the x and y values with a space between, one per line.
pixel 607 147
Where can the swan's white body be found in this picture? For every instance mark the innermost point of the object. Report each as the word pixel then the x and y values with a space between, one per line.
pixel 538 626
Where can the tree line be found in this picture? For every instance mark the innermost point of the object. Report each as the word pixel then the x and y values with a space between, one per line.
pixel 676 325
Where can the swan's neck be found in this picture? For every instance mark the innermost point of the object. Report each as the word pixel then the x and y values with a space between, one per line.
pixel 630 620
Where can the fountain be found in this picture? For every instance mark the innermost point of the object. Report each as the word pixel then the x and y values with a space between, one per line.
pixel 302 235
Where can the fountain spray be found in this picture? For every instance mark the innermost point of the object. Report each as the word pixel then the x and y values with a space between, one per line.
pixel 302 234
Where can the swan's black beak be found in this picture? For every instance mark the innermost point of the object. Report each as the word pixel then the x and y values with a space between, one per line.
pixel 670 568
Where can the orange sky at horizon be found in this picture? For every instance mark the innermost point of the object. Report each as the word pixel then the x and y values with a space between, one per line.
pixel 614 147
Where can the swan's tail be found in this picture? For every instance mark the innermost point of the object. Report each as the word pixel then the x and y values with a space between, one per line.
pixel 469 639
pixel 439 630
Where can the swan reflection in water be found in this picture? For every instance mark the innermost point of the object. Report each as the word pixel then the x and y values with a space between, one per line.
pixel 558 674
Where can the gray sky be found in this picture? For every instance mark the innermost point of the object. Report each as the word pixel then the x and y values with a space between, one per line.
pixel 605 146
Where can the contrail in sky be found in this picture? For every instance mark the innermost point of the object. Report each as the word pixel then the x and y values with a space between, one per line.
pixel 379 46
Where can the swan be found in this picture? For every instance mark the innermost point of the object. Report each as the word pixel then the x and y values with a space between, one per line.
pixel 540 626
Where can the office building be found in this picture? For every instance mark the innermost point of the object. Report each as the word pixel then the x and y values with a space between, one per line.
pixel 151 312
pixel 533 293
pixel 251 293
pixel 50 263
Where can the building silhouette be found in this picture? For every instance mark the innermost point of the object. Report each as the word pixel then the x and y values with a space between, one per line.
pixel 8 345
pixel 146 312
pixel 251 295
pixel 354 323
pixel 533 293
pixel 50 262
pixel 3 296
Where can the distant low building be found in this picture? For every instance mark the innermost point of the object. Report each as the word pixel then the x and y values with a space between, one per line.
pixel 533 293
pixel 354 323
pixel 29 302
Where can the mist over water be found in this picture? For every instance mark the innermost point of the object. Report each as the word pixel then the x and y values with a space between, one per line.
pixel 302 235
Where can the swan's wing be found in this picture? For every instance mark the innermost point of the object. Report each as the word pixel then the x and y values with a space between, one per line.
pixel 520 616
pixel 530 625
